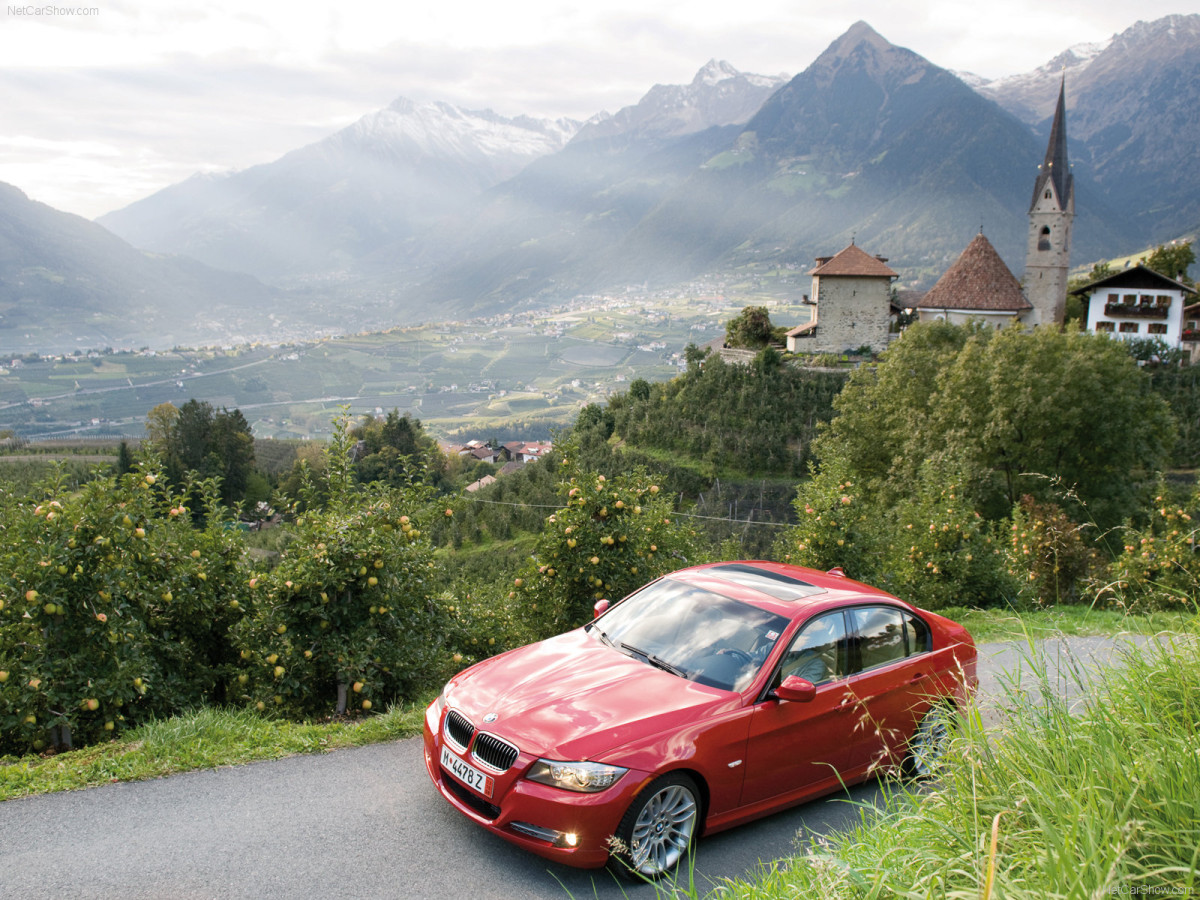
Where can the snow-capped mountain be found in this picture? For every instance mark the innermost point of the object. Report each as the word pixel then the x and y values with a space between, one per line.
pixel 718 95
pixel 1025 94
pixel 320 207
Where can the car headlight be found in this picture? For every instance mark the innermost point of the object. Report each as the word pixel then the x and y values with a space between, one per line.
pixel 440 703
pixel 585 777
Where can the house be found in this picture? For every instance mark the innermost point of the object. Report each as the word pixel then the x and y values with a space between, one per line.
pixel 1140 303
pixel 852 299
pixel 978 287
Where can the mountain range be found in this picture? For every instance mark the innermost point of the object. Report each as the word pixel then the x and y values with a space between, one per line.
pixel 423 207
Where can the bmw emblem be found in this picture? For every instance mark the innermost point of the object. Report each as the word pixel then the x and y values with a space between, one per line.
pixel 490 718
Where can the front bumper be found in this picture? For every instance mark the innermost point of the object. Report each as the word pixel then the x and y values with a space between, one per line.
pixel 565 826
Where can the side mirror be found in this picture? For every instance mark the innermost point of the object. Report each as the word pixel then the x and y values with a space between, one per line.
pixel 796 690
pixel 600 608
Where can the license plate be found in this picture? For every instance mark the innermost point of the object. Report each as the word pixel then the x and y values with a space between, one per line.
pixel 467 773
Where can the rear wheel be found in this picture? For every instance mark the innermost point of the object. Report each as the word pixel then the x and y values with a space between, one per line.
pixel 929 743
pixel 658 828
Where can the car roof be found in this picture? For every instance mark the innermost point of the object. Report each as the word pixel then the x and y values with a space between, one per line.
pixel 786 590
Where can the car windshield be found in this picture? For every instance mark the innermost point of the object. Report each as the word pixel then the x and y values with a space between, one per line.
pixel 693 633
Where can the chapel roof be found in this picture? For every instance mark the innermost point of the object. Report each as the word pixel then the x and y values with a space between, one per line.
pixel 978 280
pixel 855 262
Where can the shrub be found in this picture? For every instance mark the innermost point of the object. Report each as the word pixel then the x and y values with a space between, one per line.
pixel 348 612
pixel 611 536
pixel 112 608
pixel 1047 554
pixel 1158 567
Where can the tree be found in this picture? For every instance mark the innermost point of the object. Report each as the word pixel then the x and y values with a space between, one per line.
pixel 212 443
pixel 1041 413
pixel 751 329
pixel 1172 260
pixel 160 422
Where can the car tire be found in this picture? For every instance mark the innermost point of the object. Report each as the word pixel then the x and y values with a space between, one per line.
pixel 657 830
pixel 929 743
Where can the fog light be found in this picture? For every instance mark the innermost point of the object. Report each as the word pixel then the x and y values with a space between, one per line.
pixel 571 839
pixel 567 839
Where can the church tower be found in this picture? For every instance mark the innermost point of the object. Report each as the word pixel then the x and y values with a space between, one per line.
pixel 1047 256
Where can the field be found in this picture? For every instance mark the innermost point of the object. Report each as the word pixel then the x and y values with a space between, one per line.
pixel 529 370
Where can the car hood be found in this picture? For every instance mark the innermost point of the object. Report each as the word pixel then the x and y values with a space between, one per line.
pixel 572 697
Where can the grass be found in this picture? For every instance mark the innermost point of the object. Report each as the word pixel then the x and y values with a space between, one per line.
pixel 989 625
pixel 204 739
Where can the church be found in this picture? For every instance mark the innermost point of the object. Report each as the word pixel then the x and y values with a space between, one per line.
pixel 853 299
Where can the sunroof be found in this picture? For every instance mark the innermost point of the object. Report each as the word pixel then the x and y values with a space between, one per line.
pixel 775 584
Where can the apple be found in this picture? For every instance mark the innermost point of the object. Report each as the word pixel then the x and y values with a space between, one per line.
pixel 279 671
pixel 150 479
pixel 379 563
pixel 92 704
pixel 366 704
pixel 281 629
pixel 101 617
pixel 449 512
pixel 140 532
pixel 3 676
pixel 31 596
pixel 372 581
pixel 272 658
pixel 243 678
pixel 358 686
pixel 260 706
pixel 195 554
pixel 233 604
pixel 109 726
pixel 308 654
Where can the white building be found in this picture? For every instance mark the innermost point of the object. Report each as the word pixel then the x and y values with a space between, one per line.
pixel 1138 303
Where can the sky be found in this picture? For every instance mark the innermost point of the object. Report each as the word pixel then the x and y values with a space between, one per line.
pixel 107 101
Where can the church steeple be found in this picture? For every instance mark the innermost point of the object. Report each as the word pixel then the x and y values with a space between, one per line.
pixel 1047 256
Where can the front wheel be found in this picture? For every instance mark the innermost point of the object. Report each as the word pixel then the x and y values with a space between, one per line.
pixel 929 743
pixel 658 828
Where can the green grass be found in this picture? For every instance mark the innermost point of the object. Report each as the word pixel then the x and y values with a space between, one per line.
pixel 987 625
pixel 201 740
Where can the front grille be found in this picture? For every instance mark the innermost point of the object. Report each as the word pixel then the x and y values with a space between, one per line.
pixel 459 730
pixel 470 798
pixel 493 752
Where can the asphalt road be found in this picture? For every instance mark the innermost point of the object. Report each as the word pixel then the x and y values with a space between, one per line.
pixel 361 823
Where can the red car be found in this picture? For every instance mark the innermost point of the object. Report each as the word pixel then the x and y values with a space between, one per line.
pixel 710 697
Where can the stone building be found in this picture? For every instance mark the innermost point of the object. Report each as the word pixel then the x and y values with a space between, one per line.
pixel 852 297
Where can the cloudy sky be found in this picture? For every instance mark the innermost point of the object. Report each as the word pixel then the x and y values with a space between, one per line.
pixel 109 100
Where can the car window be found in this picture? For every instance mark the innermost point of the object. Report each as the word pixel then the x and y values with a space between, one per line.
pixel 702 636
pixel 884 634
pixel 818 652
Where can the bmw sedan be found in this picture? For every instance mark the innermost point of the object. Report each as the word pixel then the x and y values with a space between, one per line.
pixel 709 697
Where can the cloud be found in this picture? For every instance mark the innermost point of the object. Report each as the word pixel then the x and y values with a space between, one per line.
pixel 103 109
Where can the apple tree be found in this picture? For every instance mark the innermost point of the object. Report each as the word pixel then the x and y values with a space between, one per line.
pixel 612 535
pixel 348 614
pixel 113 608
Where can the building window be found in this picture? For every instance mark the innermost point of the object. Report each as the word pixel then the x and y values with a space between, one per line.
pixel 1129 328
pixel 1044 238
pixel 1130 299
pixel 1164 300
pixel 1047 195
pixel 1114 298
pixel 1105 326
pixel 1156 328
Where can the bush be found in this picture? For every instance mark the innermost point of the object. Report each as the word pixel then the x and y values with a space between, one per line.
pixel 612 536
pixel 348 613
pixel 1158 567
pixel 113 608
pixel 1047 554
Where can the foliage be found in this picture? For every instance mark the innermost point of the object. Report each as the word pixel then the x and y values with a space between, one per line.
pixel 1158 567
pixel 113 607
pixel 212 443
pixel 348 610
pixel 942 552
pixel 612 535
pixel 836 526
pixel 1048 554
pixel 1172 260
pixel 1179 387
pixel 1017 407
pixel 758 418
pixel 396 451
pixel 751 329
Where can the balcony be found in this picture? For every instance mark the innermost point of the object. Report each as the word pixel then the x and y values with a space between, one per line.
pixel 1121 311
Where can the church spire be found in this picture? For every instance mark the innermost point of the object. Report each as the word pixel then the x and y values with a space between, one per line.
pixel 1055 168
pixel 1047 256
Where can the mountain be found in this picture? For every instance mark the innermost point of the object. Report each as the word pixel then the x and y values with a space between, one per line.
pixel 67 283
pixel 1133 106
pixel 316 210
pixel 539 233
pixel 870 143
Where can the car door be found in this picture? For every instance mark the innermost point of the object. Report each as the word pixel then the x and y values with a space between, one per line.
pixel 891 676
pixel 801 748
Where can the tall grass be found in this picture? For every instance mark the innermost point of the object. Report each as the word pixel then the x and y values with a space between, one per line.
pixel 1097 796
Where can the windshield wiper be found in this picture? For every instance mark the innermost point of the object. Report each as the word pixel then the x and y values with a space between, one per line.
pixel 600 631
pixel 654 660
